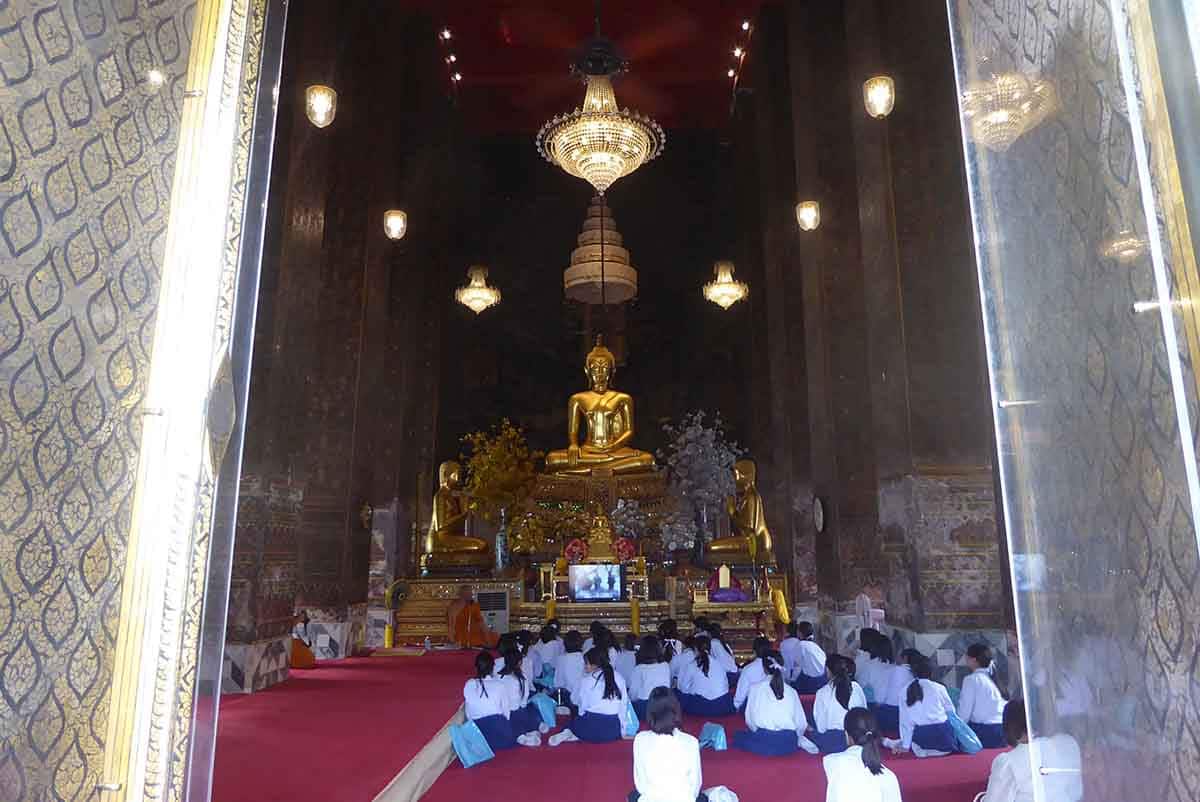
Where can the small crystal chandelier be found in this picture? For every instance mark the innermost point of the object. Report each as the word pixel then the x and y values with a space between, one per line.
pixel 600 143
pixel 724 291
pixel 1002 109
pixel 476 295
pixel 320 104
pixel 1125 247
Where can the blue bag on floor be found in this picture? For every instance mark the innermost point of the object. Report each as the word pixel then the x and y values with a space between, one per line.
pixel 546 680
pixel 545 706
pixel 713 735
pixel 968 741
pixel 632 724
pixel 470 745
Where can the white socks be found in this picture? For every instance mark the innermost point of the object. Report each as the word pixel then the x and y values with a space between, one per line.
pixel 529 739
pixel 562 710
pixel 543 728
pixel 563 737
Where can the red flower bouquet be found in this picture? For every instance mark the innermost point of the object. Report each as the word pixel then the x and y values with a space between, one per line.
pixel 576 550
pixel 625 548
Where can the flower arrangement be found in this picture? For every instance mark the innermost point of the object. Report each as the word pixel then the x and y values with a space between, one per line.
pixel 629 519
pixel 678 531
pixel 576 550
pixel 500 470
pixel 699 459
pixel 625 549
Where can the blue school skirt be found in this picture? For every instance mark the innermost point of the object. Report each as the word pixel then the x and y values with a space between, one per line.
pixel 938 737
pixel 887 716
pixel 829 742
pixel 595 728
pixel 695 705
pixel 497 731
pixel 769 743
pixel 639 707
pixel 991 735
pixel 807 685
pixel 525 720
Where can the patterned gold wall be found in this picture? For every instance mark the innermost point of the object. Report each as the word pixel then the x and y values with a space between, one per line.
pixel 86 161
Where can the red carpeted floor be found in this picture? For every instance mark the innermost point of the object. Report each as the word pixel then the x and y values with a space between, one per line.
pixel 604 773
pixel 336 733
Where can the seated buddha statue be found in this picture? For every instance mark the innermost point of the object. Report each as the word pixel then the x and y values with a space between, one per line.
pixel 607 416
pixel 751 540
pixel 447 543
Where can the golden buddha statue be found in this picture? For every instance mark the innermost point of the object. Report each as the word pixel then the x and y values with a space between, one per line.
pixel 447 543
pixel 751 540
pixel 608 417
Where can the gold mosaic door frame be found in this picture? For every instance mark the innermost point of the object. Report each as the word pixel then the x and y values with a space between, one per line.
pixel 124 145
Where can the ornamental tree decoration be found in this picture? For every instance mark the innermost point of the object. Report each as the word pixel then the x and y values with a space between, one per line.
pixel 629 519
pixel 699 460
pixel 500 470
pixel 678 531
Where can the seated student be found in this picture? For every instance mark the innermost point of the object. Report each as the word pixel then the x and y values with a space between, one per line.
pixel 531 662
pixel 548 647
pixel 752 673
pixel 858 773
pixel 803 659
pixel 773 713
pixel 924 717
pixel 523 717
pixel 568 668
pixel 887 712
pixel 666 760
pixel 721 652
pixel 651 671
pixel 833 701
pixel 626 657
pixel 302 653
pixel 981 703
pixel 703 685
pixel 602 701
pixel 1011 779
pixel 682 658
pixel 668 635
pixel 594 629
pixel 866 636
pixel 876 672
pixel 487 703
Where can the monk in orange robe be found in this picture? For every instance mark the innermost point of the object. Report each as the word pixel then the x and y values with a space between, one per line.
pixel 465 623
pixel 302 653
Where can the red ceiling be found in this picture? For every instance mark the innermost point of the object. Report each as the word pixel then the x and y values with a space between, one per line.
pixel 514 57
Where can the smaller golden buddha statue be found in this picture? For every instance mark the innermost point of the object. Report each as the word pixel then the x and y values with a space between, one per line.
pixel 447 544
pixel 608 418
pixel 751 539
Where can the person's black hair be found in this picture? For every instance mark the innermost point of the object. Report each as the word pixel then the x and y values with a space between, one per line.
pixel 598 657
pixel 700 623
pixel 631 642
pixel 651 651
pixel 805 630
pixel 881 650
pixel 761 646
pixel 839 672
pixel 594 628
pixel 702 644
pixel 773 668
pixel 553 622
pixel 982 654
pixel 1014 723
pixel 922 668
pixel 572 641
pixel 715 633
pixel 863 730
pixel 511 653
pixel 793 629
pixel 908 655
pixel 604 637
pixel 866 636
pixel 548 634
pixel 485 664
pixel 668 633
pixel 662 711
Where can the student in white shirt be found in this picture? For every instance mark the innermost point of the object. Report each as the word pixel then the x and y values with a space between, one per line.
pixel 877 670
pixel 650 672
pixel 568 668
pixel 887 713
pixel 866 636
pixel 547 648
pixel 773 713
pixel 703 684
pixel 666 760
pixel 1012 776
pixel 594 630
pixel 626 657
pixel 523 717
pixel 833 701
pixel 603 703
pixel 486 702
pixel 752 673
pixel 720 651
pixel 858 774
pixel 668 636
pixel 924 717
pixel 980 703
pixel 803 659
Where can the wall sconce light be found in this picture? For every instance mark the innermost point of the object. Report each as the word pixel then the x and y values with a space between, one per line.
pixel 320 104
pixel 879 96
pixel 395 223
pixel 808 215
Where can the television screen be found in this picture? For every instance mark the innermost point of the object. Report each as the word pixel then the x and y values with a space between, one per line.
pixel 592 583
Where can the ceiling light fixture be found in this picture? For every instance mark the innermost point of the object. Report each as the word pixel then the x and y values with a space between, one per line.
pixel 320 104
pixel 737 52
pixel 476 295
pixel 731 73
pixel 808 215
pixel 395 223
pixel 745 25
pixel 723 290
pixel 879 96
pixel 445 34
pixel 1002 109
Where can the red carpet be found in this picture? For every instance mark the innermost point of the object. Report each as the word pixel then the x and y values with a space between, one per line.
pixel 337 733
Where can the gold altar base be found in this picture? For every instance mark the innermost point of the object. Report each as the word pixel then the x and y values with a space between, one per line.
pixel 649 489
pixel 617 616
pixel 424 610
pixel 741 622
pixel 454 564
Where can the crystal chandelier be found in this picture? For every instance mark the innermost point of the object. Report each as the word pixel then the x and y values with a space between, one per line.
pixel 600 272
pixel 476 295
pixel 600 143
pixel 1002 109
pixel 724 291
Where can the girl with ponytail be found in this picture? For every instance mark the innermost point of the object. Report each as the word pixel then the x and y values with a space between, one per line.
pixel 925 715
pixel 839 695
pixel 774 717
pixel 703 683
pixel 753 672
pixel 487 703
pixel 858 774
pixel 524 718
pixel 981 703
pixel 887 713
pixel 803 659
pixel 602 700
pixel 652 671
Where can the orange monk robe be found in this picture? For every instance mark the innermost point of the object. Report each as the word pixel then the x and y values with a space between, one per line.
pixel 467 627
pixel 302 656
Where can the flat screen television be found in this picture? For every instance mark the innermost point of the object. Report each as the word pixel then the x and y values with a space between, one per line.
pixel 595 583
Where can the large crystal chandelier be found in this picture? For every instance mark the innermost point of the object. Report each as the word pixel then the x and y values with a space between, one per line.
pixel 600 142
pixel 1002 109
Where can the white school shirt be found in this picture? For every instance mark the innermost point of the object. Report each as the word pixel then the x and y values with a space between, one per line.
pixel 547 652
pixel 810 659
pixel 487 697
pixel 874 675
pixel 828 713
pixel 666 768
pixel 712 685
pixel 646 677
pixel 765 712
pixel 531 664
pixel 861 659
pixel 899 679
pixel 934 708
pixel 681 659
pixel 518 697
pixel 568 668
pixel 980 700
pixel 624 663
pixel 723 657
pixel 588 643
pixel 752 674
pixel 589 697
pixel 1011 779
pixel 674 643
pixel 849 780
